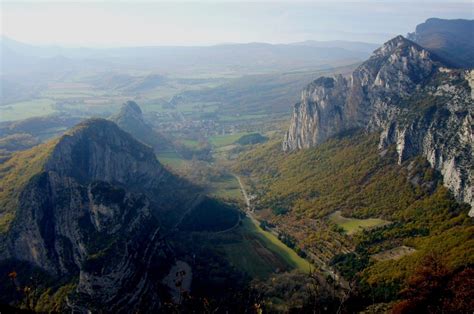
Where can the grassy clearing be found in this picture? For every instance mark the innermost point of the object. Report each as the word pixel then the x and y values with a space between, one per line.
pixel 226 187
pixel 165 92
pixel 354 225
pixel 242 117
pixel 271 242
pixel 71 90
pixel 224 149
pixel 69 94
pixel 26 109
pixel 260 254
pixel 251 257
pixel 190 143
pixel 224 140
pixel 171 159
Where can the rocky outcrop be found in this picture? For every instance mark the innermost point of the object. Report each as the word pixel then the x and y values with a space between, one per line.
pixel 96 213
pixel 98 150
pixel 98 233
pixel 329 106
pixel 319 114
pixel 407 94
pixel 441 132
pixel 130 118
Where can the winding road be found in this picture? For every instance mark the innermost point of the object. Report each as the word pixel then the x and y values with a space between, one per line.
pixel 249 210
pixel 244 193
pixel 325 268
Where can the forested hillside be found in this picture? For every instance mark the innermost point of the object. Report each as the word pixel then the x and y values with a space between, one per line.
pixel 303 194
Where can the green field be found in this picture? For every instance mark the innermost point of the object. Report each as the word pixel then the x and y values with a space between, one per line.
pixel 73 93
pixel 274 244
pixel 260 254
pixel 171 159
pixel 354 225
pixel 224 140
pixel 242 117
pixel 26 109
pixel 190 143
pixel 226 187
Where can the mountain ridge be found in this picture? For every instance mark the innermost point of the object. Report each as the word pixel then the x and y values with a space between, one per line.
pixel 406 93
pixel 449 39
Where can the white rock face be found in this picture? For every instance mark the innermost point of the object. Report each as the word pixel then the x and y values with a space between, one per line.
pixel 312 124
pixel 444 137
pixel 416 103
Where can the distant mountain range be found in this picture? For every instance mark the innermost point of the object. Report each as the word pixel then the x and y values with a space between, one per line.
pixel 48 51
pixel 452 40
pixel 251 56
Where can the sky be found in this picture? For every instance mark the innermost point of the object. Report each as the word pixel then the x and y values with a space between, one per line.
pixel 127 23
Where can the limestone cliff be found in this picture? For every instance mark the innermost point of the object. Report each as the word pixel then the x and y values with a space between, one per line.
pixel 407 94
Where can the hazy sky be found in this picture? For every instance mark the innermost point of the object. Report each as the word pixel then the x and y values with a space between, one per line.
pixel 112 23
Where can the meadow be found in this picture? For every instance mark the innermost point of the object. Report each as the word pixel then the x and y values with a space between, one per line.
pixel 26 109
pixel 226 187
pixel 224 140
pixel 278 247
pixel 253 250
pixel 354 225
pixel 260 254
pixel 171 159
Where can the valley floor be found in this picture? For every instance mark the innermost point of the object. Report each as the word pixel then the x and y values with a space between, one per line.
pixel 271 238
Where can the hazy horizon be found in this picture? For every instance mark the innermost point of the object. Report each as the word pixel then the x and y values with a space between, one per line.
pixel 52 45
pixel 107 24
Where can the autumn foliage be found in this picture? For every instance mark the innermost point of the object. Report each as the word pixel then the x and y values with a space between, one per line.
pixel 434 289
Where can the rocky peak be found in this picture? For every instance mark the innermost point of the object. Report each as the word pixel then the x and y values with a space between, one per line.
pixel 331 105
pixel 407 94
pixel 401 46
pixel 129 110
pixel 318 113
pixel 131 106
pixel 98 149
pixel 396 48
pixel 389 47
pixel 94 214
pixel 130 118
pixel 396 67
